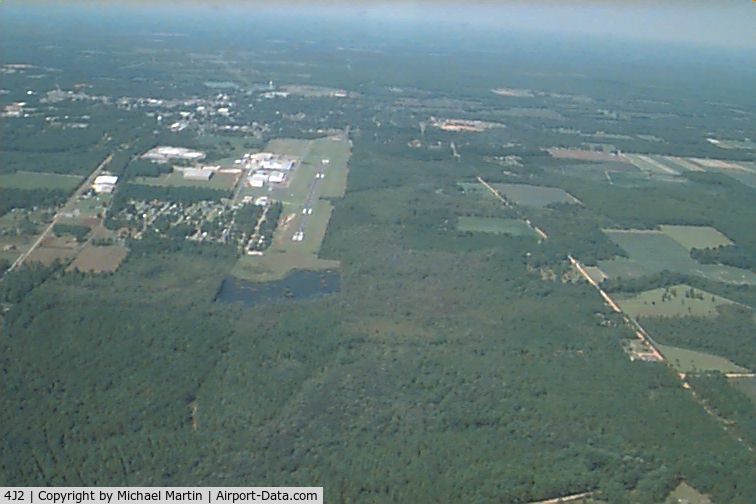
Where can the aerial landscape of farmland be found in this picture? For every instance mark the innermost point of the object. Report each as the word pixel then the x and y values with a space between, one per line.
pixel 395 259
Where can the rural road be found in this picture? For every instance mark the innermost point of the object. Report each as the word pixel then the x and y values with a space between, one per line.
pixel 639 331
pixel 506 202
pixel 75 196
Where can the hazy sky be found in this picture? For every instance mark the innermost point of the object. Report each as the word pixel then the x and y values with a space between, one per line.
pixel 727 23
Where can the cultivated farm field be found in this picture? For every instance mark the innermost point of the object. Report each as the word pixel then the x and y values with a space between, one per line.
pixel 652 251
pixel 536 196
pixel 99 259
pixel 692 237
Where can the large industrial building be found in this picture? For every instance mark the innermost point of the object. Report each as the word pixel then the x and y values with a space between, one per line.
pixel 278 164
pixel 163 154
pixel 104 184
pixel 257 180
pixel 198 173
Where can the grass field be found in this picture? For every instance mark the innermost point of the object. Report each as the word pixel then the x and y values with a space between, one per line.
pixel 99 259
pixel 13 246
pixel 219 181
pixel 52 248
pixel 692 237
pixel 690 361
pixel 623 267
pixel 514 227
pixel 476 189
pixel 537 196
pixel 35 180
pixel 289 146
pixel 652 251
pixel 686 494
pixel 672 301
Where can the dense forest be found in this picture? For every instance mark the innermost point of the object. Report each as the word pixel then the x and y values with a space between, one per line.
pixel 18 198
pixel 452 365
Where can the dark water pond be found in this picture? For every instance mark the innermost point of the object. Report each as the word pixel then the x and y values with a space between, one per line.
pixel 297 285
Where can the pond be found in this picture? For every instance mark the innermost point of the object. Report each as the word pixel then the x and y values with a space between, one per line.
pixel 297 285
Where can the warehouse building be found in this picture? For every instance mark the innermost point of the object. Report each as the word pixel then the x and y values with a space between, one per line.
pixel 104 184
pixel 198 173
pixel 257 180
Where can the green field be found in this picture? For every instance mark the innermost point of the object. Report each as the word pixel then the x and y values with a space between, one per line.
pixel 219 181
pixel 692 237
pixel 36 180
pixel 652 251
pixel 514 227
pixel 690 361
pixel 674 301
pixel 537 196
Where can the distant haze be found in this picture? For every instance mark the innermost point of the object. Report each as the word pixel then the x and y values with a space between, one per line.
pixel 723 23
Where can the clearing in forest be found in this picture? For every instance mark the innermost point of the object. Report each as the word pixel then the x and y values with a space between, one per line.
pixel 35 180
pixel 537 196
pixel 673 301
pixel 691 361
pixel 686 494
pixel 692 237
